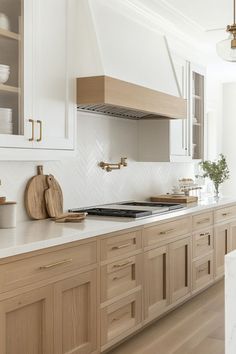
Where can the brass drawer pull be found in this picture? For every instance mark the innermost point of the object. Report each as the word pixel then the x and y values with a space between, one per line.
pixel 122 264
pixel 205 234
pixel 52 265
pixel 118 278
pixel 120 247
pixel 203 270
pixel 40 131
pixel 167 232
pixel 202 244
pixel 203 221
pixel 32 134
pixel 120 318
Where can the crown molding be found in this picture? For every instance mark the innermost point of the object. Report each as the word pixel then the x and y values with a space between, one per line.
pixel 180 16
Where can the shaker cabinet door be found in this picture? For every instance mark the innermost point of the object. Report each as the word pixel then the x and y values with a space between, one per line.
pixel 156 282
pixel 53 100
pixel 75 314
pixel 179 129
pixel 222 247
pixel 180 269
pixel 26 323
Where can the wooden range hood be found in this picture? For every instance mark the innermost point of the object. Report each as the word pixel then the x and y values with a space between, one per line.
pixel 110 96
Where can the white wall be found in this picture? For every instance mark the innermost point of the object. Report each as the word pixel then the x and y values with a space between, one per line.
pixel 221 105
pixel 229 134
pixel 83 182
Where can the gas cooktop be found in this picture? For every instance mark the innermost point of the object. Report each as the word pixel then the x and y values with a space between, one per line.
pixel 130 209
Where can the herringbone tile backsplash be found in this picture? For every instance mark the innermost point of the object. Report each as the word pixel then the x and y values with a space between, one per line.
pixel 83 182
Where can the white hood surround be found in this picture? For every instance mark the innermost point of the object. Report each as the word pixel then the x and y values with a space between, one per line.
pixel 128 64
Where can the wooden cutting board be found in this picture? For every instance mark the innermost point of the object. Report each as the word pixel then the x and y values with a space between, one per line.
pixel 34 196
pixel 53 197
pixel 168 198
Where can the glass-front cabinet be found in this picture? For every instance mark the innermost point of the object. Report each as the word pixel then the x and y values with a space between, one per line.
pixel 12 28
pixel 37 105
pixel 197 93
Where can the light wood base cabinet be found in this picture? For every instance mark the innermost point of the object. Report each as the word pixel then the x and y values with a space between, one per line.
pixel 86 297
pixel 26 323
pixel 156 282
pixel 202 272
pixel 180 269
pixel 222 247
pixel 120 319
pixel 233 235
pixel 75 314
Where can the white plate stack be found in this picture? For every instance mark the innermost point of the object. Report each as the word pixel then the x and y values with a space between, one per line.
pixel 6 125
pixel 4 73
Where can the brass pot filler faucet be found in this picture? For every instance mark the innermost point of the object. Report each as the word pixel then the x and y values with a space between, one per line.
pixel 114 166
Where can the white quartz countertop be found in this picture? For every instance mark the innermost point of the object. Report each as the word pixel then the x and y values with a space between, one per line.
pixel 35 235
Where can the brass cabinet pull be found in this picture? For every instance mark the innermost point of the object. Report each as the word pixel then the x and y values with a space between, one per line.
pixel 52 265
pixel 122 264
pixel 167 232
pixel 32 135
pixel 121 246
pixel 205 234
pixel 203 269
pixel 203 221
pixel 40 131
pixel 225 214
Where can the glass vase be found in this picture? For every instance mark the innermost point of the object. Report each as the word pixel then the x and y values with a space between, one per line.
pixel 217 193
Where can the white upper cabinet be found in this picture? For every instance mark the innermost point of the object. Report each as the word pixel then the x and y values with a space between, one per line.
pixel 37 102
pixel 179 129
pixel 52 92
pixel 168 140
pixel 178 140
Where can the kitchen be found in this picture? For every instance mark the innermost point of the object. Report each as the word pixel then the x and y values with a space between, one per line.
pixel 120 101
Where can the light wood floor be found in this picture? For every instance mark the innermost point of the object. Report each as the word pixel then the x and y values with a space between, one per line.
pixel 197 327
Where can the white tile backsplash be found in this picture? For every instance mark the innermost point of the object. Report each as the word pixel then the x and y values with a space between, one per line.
pixel 83 182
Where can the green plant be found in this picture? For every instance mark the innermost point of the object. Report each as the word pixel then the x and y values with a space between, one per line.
pixel 217 171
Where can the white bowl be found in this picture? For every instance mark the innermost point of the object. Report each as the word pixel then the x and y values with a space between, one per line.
pixel 4 76
pixel 4 22
pixel 4 67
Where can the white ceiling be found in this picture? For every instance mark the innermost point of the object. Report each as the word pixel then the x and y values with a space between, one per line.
pixel 197 18
pixel 207 14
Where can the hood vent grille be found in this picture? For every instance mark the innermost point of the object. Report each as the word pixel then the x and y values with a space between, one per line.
pixel 117 112
pixel 113 97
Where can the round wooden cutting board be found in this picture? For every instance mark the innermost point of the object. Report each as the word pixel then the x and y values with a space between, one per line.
pixel 35 195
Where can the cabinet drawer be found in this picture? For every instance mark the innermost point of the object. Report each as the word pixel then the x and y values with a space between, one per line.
pixel 120 245
pixel 120 319
pixel 202 242
pixel 31 270
pixel 224 214
pixel 202 272
pixel 156 234
pixel 203 220
pixel 120 277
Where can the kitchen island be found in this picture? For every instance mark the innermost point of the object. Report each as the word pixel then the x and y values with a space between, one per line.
pixel 85 287
pixel 230 305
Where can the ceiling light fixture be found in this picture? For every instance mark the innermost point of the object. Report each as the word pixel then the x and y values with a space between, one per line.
pixel 226 49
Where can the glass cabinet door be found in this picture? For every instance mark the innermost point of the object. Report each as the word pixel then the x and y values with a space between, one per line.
pixel 198 113
pixel 11 80
pixel 15 72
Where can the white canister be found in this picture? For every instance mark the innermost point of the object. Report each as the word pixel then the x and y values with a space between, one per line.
pixel 4 22
pixel 8 215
